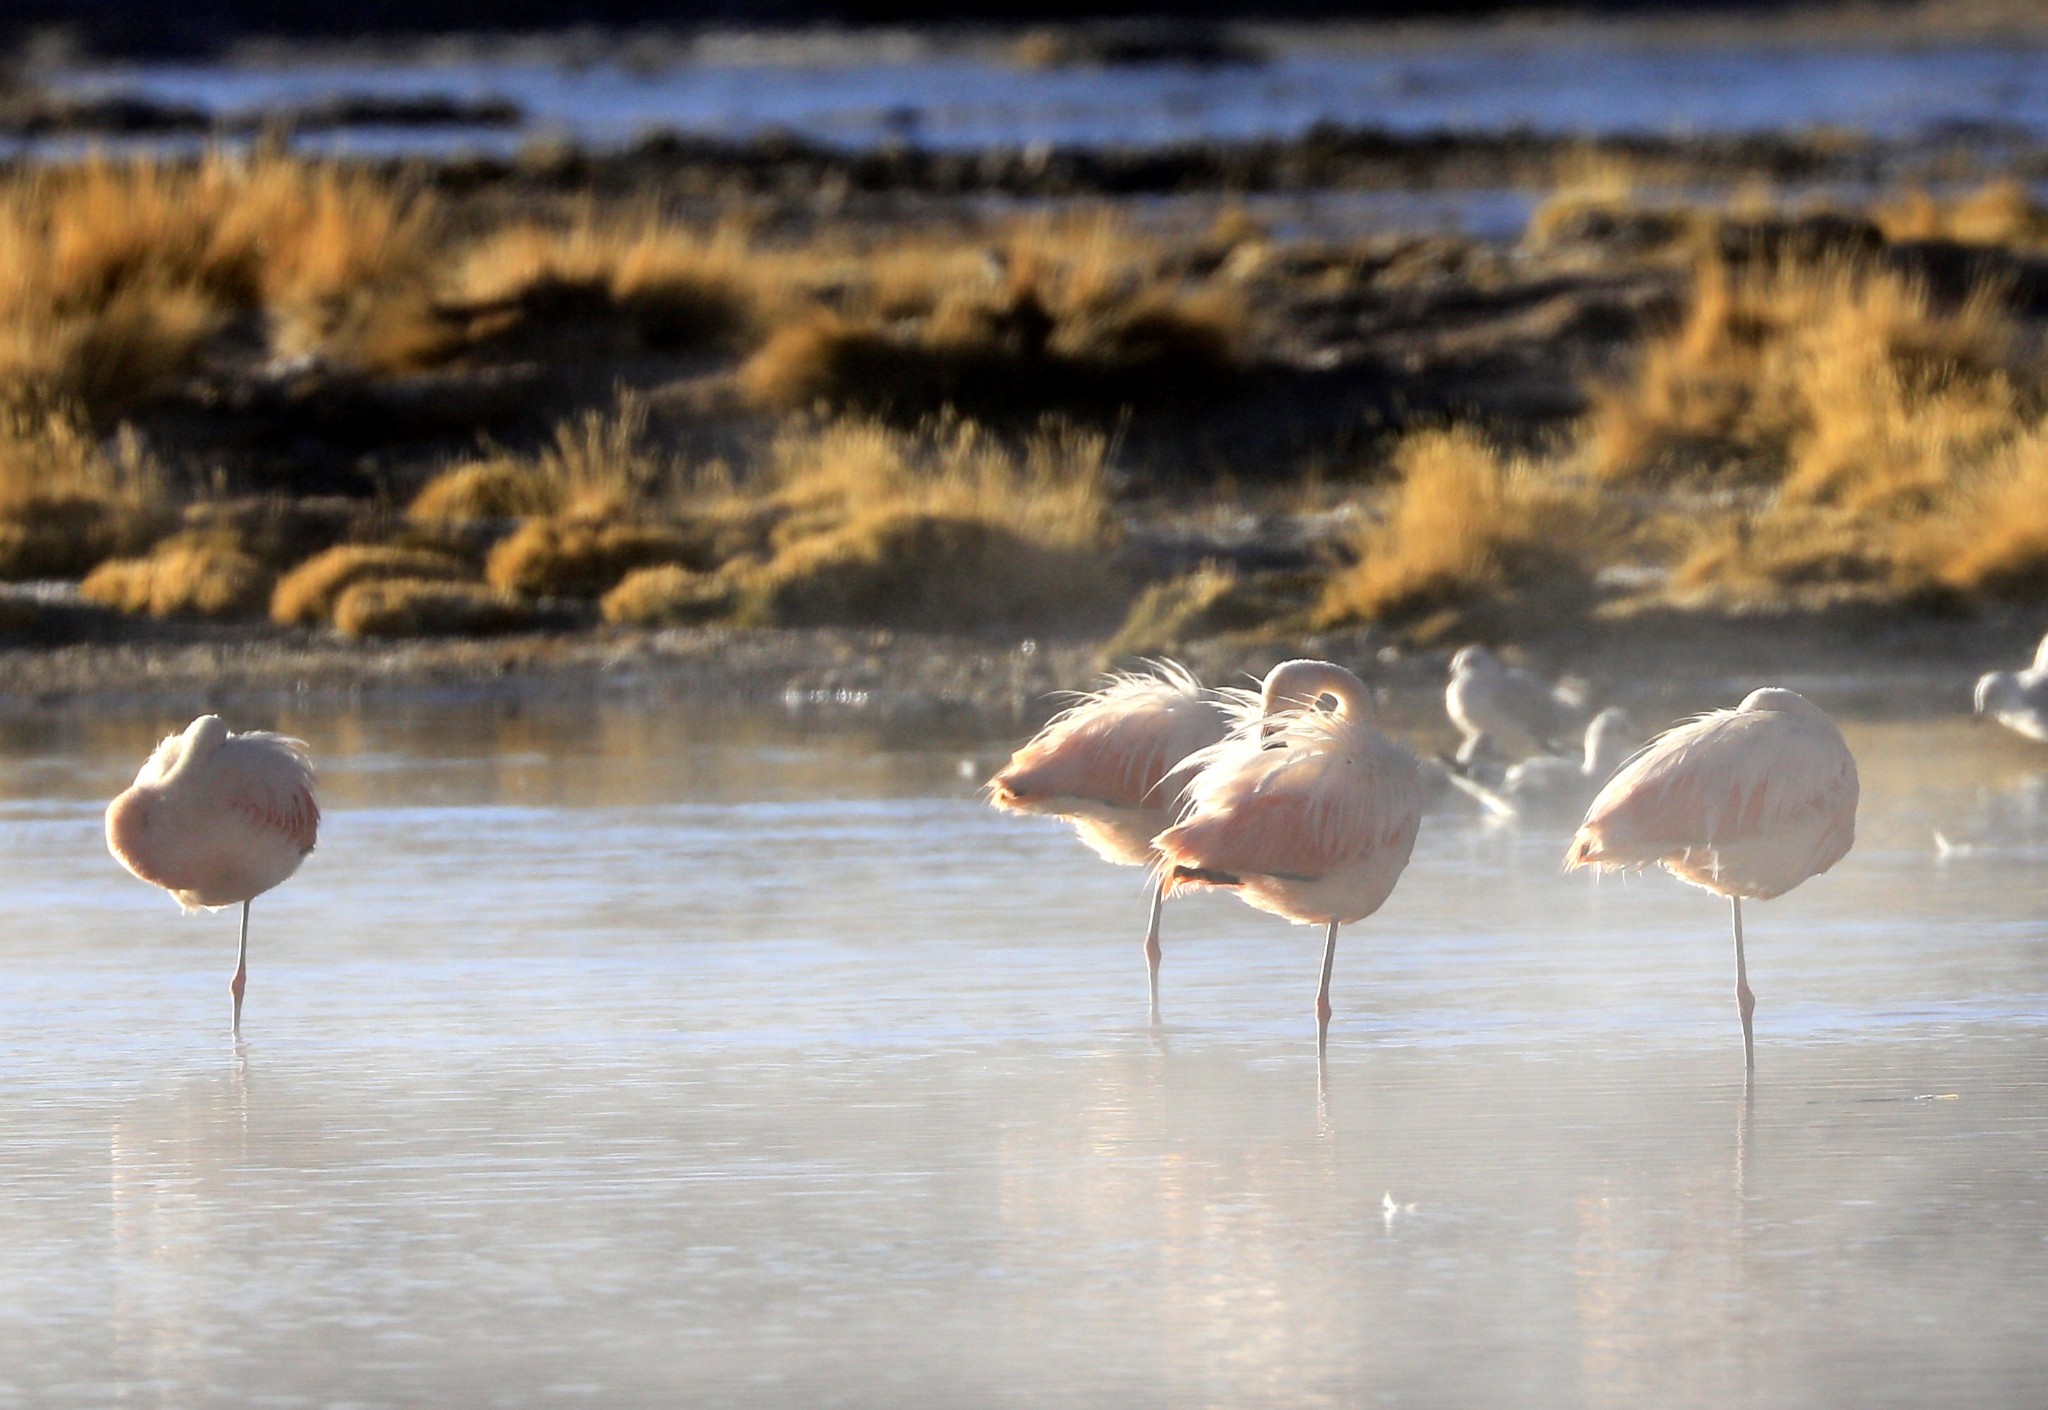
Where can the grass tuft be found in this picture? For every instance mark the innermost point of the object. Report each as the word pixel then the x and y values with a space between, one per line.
pixel 1465 523
pixel 577 557
pixel 190 575
pixel 498 488
pixel 309 594
pixel 393 607
pixel 669 596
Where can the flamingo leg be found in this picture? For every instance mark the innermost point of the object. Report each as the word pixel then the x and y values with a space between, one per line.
pixel 1744 1000
pixel 241 979
pixel 1152 945
pixel 1323 993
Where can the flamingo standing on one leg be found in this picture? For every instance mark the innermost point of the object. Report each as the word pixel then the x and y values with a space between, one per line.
pixel 217 818
pixel 1112 764
pixel 1746 802
pixel 1305 812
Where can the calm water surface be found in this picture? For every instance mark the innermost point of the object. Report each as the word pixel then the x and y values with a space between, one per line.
pixel 1576 82
pixel 604 1057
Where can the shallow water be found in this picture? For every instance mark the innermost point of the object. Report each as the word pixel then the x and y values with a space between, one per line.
pixel 615 1057
pixel 1588 84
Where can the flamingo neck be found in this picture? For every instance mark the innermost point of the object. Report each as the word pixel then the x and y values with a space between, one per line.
pixel 1295 685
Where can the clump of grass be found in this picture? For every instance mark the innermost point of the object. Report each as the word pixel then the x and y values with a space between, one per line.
pixel 389 607
pixel 501 487
pixel 190 575
pixel 69 501
pixel 309 594
pixel 121 271
pixel 2001 213
pixel 1776 357
pixel 1465 523
pixel 911 568
pixel 945 525
pixel 1211 601
pixel 1077 315
pixel 1992 540
pixel 669 596
pixel 1052 487
pixel 578 557
pixel 672 287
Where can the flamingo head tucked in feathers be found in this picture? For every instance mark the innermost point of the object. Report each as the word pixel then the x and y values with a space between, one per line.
pixel 1294 687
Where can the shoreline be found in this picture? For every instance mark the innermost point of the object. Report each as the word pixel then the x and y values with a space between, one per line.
pixel 1873 665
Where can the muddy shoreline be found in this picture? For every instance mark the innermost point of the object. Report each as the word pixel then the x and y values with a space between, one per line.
pixel 910 684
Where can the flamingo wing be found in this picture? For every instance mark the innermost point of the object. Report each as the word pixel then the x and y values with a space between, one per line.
pixel 1299 812
pixel 1724 779
pixel 267 780
pixel 1119 747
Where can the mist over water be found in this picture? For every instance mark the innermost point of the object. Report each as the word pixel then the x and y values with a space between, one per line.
pixel 610 1056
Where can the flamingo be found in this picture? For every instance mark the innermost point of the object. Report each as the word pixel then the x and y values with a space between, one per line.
pixel 217 818
pixel 1305 812
pixel 1744 802
pixel 1547 785
pixel 1113 764
pixel 2018 699
pixel 1504 708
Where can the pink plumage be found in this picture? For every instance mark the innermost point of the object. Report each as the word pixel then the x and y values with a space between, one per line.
pixel 1114 764
pixel 217 819
pixel 1747 802
pixel 1305 812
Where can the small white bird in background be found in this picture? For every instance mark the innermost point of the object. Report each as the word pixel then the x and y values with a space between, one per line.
pixel 1744 802
pixel 1306 812
pixel 1114 764
pixel 2018 699
pixel 216 819
pixel 1505 710
pixel 1553 787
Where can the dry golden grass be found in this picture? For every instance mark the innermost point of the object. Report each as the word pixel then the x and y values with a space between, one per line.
pixel 911 568
pixel 577 557
pixel 945 525
pixel 307 596
pixel 121 271
pixel 1991 538
pixel 1775 360
pixel 499 488
pixel 2002 213
pixel 669 596
pixel 388 607
pixel 1212 601
pixel 1077 313
pixel 68 501
pixel 1466 523
pixel 673 287
pixel 1052 487
pixel 195 575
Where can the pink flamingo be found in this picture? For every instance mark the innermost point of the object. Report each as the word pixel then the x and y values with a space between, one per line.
pixel 1745 802
pixel 1305 812
pixel 1113 764
pixel 217 818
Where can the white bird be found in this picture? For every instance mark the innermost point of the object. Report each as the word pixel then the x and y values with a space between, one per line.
pixel 1551 786
pixel 1114 764
pixel 217 818
pixel 2018 699
pixel 1744 802
pixel 1305 812
pixel 1504 709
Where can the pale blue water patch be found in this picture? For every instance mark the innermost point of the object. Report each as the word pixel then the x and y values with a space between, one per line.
pixel 613 1056
pixel 1572 83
